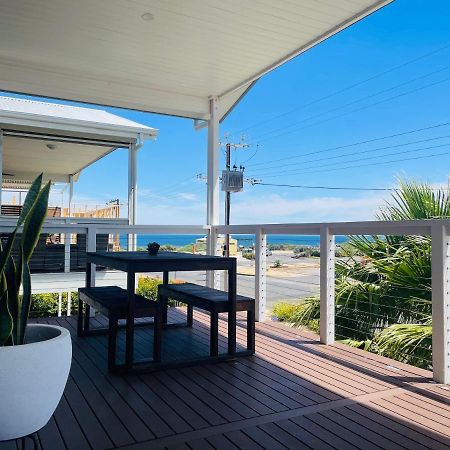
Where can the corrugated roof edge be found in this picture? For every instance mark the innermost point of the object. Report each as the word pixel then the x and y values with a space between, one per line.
pixel 16 109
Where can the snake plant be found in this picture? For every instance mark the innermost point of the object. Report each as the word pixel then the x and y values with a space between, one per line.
pixel 15 272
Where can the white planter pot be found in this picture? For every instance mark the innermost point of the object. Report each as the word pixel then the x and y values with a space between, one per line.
pixel 32 379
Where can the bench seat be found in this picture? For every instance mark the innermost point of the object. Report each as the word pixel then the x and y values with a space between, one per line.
pixel 112 302
pixel 214 301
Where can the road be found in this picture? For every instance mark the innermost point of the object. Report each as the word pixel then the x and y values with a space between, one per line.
pixel 302 279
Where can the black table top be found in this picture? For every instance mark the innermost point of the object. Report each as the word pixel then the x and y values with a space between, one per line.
pixel 142 261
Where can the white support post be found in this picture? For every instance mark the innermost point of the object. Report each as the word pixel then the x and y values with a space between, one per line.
pixel 1 168
pixel 91 246
pixel 132 193
pixel 69 303
pixel 327 303
pixel 67 239
pixel 60 304
pixel 440 303
pixel 260 274
pixel 212 213
pixel 70 195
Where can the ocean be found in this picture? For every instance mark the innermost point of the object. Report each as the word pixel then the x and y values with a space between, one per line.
pixel 243 239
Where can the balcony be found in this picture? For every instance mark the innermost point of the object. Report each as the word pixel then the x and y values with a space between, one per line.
pixel 300 390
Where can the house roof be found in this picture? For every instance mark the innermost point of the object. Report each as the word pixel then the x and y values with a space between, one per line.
pixel 167 56
pixel 43 117
pixel 59 140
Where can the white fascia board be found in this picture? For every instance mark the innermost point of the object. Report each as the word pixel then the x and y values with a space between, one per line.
pixel 53 177
pixel 35 122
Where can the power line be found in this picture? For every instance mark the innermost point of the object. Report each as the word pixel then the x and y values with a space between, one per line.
pixel 329 188
pixel 306 170
pixel 168 189
pixel 253 155
pixel 371 164
pixel 353 144
pixel 352 86
pixel 327 158
pixel 295 130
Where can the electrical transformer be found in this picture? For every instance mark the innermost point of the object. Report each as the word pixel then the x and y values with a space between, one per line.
pixel 232 180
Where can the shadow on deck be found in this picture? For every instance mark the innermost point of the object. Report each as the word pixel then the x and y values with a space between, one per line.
pixel 295 393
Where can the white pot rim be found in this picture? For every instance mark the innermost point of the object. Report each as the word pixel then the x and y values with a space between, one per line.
pixel 60 333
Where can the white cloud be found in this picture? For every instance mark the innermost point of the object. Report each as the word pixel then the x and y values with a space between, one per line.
pixel 275 208
pixel 188 196
pixel 157 213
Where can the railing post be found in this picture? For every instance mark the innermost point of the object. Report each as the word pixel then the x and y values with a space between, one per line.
pixel 91 246
pixel 67 239
pixel 69 303
pixel 440 302
pixel 260 274
pixel 212 277
pixel 59 304
pixel 327 303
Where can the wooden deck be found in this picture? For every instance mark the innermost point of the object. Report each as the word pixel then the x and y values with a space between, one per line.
pixel 296 393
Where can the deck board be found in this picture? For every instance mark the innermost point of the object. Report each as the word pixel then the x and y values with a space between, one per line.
pixel 295 393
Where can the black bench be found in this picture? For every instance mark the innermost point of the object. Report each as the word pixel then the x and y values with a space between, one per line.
pixel 213 301
pixel 112 302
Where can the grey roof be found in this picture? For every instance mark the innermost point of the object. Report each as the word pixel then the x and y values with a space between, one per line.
pixel 71 113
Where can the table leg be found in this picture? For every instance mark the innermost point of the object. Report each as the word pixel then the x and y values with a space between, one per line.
pixel 232 287
pixel 166 300
pixel 129 348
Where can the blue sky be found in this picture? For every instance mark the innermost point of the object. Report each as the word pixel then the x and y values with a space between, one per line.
pixel 318 101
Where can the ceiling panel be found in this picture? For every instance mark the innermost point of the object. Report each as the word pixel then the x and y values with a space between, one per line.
pixel 104 52
pixel 29 157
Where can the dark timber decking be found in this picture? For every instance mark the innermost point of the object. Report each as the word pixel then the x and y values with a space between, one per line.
pixel 295 393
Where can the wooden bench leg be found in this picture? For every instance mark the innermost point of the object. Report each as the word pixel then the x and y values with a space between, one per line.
pixel 251 330
pixel 157 336
pixel 214 332
pixel 80 318
pixel 112 342
pixel 190 316
pixel 87 313
pixel 164 307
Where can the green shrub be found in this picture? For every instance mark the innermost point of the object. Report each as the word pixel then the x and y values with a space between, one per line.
pixel 304 313
pixel 148 288
pixel 306 251
pixel 277 264
pixel 168 248
pixel 284 311
pixel 46 305
pixel 249 256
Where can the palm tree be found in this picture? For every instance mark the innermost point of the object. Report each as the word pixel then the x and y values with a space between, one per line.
pixel 383 287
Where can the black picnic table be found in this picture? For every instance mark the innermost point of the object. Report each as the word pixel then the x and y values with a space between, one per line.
pixel 165 262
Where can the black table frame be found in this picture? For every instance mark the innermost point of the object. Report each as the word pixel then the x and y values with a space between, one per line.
pixel 165 262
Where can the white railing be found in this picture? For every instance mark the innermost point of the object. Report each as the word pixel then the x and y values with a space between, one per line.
pixel 439 230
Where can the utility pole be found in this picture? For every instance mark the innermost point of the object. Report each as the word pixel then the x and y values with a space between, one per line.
pixel 252 181
pixel 228 148
pixel 227 202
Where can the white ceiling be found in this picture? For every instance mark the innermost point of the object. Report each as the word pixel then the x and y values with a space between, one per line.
pixel 103 52
pixel 24 159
